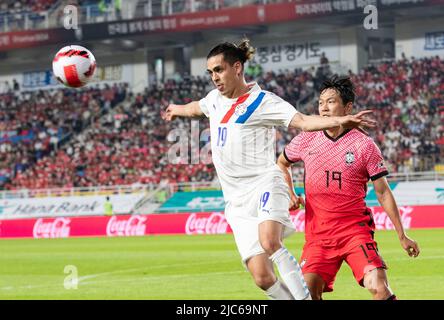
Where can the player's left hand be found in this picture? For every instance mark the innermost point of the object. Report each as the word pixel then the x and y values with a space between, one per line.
pixel 358 120
pixel 410 245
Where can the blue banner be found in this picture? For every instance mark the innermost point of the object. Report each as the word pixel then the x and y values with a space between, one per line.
pixel 39 79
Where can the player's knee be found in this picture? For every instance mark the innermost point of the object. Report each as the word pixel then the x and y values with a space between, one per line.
pixel 264 281
pixel 270 246
pixel 376 283
pixel 381 291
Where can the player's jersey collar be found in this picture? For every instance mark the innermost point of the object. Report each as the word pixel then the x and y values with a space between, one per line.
pixel 338 137
pixel 253 87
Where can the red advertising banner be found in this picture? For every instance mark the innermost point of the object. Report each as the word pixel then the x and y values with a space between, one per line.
pixel 35 38
pixel 185 223
pixel 188 22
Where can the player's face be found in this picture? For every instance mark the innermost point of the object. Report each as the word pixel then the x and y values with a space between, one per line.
pixel 224 76
pixel 331 105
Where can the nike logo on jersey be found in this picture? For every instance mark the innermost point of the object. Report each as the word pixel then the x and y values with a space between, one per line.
pixel 311 152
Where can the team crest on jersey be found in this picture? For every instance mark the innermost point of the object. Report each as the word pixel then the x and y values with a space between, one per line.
pixel 240 109
pixel 349 157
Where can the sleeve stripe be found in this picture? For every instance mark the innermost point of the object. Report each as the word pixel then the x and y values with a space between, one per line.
pixel 286 158
pixel 379 175
pixel 251 108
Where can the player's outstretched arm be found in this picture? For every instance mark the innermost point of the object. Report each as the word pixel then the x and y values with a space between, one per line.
pixel 387 201
pixel 285 166
pixel 189 110
pixel 316 123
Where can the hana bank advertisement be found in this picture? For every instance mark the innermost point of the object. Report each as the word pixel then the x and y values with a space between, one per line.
pixel 185 223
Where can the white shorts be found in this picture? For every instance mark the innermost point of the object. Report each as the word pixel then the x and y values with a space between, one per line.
pixel 268 201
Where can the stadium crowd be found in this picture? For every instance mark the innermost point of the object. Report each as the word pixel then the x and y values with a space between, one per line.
pixel 127 141
pixel 17 6
pixel 406 96
pixel 35 124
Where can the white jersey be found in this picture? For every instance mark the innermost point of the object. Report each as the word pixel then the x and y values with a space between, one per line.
pixel 243 136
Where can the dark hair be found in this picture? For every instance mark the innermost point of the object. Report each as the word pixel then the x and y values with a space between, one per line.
pixel 341 85
pixel 233 53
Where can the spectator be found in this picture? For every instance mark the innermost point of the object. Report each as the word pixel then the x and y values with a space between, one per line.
pixel 324 59
pixel 16 85
pixel 108 207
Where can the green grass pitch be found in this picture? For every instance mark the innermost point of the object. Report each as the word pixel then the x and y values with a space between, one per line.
pixel 190 268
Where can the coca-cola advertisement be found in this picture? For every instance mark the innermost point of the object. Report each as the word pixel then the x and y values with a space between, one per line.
pixel 214 223
pixel 122 227
pixel 54 228
pixel 383 222
pixel 186 223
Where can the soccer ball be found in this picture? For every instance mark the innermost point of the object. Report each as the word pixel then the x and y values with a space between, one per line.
pixel 74 66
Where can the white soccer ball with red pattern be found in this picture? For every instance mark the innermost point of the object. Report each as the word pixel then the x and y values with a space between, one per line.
pixel 74 66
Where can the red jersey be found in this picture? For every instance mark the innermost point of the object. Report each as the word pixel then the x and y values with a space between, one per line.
pixel 336 175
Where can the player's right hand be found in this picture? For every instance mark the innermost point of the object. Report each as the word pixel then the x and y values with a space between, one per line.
pixel 410 245
pixel 296 201
pixel 358 120
pixel 170 113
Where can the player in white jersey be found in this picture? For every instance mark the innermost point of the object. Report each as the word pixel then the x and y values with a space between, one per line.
pixel 242 122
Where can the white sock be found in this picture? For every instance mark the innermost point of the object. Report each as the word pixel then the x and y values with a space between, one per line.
pixel 291 274
pixel 279 291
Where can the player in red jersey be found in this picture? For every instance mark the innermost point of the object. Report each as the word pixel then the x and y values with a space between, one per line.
pixel 338 225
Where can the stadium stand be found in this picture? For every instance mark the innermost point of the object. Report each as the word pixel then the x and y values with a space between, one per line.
pixel 126 142
pixel 407 95
pixel 34 124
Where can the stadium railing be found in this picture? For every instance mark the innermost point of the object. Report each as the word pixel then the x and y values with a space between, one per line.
pixel 28 20
pixel 23 21
pixel 393 177
pixel 416 176
pixel 171 188
pixel 83 191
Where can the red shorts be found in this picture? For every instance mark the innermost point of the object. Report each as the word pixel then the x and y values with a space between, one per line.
pixel 324 257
